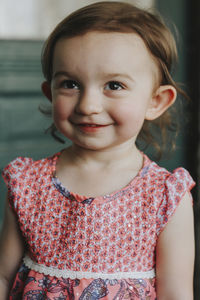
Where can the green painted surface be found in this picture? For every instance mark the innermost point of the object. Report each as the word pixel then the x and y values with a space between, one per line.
pixel 22 126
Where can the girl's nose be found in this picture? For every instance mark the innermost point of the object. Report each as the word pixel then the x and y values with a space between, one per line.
pixel 89 103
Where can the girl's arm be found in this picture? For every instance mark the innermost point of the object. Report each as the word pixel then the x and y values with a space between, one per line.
pixel 11 251
pixel 175 255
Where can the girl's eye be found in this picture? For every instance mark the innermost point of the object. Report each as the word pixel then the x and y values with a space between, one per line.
pixel 114 85
pixel 70 84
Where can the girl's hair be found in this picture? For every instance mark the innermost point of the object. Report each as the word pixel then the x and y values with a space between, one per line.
pixel 125 18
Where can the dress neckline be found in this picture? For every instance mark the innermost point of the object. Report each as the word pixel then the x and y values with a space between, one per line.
pixel 88 200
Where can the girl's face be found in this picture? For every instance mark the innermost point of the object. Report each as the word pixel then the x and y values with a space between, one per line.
pixel 102 88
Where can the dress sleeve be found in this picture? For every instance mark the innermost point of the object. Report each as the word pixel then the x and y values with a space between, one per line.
pixel 176 185
pixel 14 175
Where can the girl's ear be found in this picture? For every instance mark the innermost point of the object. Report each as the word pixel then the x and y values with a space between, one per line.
pixel 161 100
pixel 46 89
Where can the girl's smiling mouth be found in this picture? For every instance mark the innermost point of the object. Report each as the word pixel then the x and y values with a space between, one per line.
pixel 90 127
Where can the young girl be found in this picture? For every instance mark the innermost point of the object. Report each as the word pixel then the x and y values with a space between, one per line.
pixel 100 220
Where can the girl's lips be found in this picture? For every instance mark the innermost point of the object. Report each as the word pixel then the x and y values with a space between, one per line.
pixel 90 127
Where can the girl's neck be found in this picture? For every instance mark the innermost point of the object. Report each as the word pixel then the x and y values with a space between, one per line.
pixel 82 170
pixel 119 155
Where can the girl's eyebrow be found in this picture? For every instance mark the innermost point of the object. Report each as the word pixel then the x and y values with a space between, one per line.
pixel 114 75
pixel 106 75
pixel 61 73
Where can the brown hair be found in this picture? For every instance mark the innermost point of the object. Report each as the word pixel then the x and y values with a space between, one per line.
pixel 123 17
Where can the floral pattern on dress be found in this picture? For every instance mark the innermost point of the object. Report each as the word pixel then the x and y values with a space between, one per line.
pixel 109 234
pixel 29 286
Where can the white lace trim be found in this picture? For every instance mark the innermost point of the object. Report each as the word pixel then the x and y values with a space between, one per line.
pixel 88 275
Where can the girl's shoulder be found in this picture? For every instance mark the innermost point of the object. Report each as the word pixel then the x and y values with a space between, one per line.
pixel 22 168
pixel 24 176
pixel 167 190
pixel 161 176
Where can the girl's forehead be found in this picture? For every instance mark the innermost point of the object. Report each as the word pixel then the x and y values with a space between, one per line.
pixel 104 49
pixel 95 42
pixel 104 38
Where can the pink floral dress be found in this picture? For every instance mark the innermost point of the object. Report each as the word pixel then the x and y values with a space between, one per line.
pixel 90 248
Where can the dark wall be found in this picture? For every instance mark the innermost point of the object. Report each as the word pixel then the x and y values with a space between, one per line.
pixel 185 15
pixel 174 15
pixel 193 149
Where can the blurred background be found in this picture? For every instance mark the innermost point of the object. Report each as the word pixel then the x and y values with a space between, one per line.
pixel 24 26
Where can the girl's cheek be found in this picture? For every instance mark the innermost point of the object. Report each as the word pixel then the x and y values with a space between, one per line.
pixel 60 112
pixel 122 111
pixel 57 115
pixel 62 107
